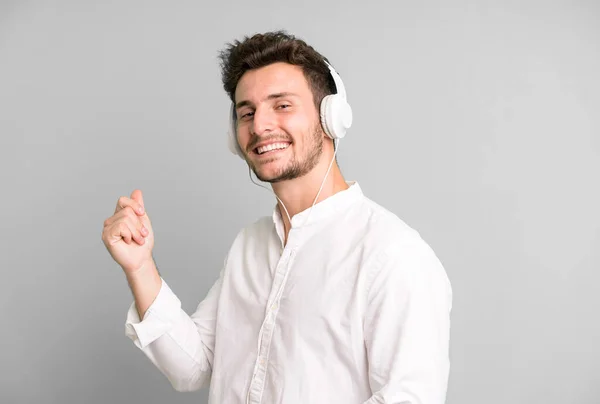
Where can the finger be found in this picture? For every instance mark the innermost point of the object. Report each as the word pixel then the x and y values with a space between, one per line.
pixel 129 230
pixel 127 211
pixel 137 196
pixel 125 202
pixel 137 229
pixel 123 231
pixel 137 237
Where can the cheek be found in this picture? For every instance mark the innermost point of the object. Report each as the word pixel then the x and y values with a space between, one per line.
pixel 243 137
pixel 299 128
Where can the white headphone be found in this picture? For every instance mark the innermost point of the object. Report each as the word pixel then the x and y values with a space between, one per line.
pixel 336 115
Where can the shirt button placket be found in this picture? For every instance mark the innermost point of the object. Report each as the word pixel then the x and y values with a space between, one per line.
pixel 258 381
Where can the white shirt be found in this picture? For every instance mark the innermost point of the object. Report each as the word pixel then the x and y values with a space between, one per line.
pixel 354 309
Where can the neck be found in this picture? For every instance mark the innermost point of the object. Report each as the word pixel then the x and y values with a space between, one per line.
pixel 299 194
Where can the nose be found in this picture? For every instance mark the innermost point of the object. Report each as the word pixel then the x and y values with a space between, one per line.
pixel 262 121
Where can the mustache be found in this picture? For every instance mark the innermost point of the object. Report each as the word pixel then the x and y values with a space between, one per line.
pixel 256 141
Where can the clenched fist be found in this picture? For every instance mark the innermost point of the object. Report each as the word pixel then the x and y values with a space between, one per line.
pixel 128 234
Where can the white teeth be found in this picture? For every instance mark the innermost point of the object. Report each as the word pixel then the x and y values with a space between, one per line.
pixel 272 146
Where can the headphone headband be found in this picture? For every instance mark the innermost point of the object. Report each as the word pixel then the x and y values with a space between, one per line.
pixel 339 84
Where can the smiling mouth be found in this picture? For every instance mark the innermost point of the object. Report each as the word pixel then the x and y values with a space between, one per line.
pixel 271 148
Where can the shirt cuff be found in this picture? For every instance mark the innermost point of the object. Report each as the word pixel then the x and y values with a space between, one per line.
pixel 158 319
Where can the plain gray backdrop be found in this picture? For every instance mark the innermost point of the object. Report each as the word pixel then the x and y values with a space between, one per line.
pixel 477 123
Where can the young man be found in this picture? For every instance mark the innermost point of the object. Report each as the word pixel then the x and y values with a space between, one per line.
pixel 332 299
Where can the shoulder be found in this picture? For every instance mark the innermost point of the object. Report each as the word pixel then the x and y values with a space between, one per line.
pixel 260 227
pixel 256 231
pixel 401 254
pixel 381 224
pixel 253 237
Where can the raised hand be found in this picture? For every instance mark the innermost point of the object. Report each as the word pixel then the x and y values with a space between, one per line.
pixel 128 234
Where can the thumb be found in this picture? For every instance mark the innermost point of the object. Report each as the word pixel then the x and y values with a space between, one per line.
pixel 136 195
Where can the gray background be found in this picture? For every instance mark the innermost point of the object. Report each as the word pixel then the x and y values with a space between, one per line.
pixel 476 122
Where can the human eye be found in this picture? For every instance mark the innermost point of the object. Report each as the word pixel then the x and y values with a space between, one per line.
pixel 246 114
pixel 283 106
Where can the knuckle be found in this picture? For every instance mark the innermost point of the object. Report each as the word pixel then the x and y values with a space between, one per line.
pixel 127 211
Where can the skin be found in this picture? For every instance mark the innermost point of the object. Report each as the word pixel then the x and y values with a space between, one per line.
pixel 274 104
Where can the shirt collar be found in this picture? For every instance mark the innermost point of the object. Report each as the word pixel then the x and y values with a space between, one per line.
pixel 338 202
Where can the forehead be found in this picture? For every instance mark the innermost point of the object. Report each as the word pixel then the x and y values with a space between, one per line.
pixel 257 84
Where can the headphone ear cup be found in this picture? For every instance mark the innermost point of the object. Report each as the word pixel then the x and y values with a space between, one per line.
pixel 232 142
pixel 336 116
pixel 324 113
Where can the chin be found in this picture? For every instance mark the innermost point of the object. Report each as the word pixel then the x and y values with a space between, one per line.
pixel 274 172
pixel 269 170
pixel 270 176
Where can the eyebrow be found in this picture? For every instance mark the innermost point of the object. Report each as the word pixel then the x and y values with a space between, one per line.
pixel 245 103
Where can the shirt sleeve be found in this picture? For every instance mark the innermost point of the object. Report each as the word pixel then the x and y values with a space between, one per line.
pixel 179 345
pixel 407 326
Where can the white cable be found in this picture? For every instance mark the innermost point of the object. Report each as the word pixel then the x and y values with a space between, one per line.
pixel 286 211
pixel 336 145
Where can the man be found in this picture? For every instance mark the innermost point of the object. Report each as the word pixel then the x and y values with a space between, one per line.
pixel 332 299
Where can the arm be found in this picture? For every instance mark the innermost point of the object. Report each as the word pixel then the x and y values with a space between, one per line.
pixel 179 345
pixel 145 284
pixel 407 327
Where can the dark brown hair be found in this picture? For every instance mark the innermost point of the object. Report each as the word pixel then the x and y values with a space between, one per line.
pixel 264 49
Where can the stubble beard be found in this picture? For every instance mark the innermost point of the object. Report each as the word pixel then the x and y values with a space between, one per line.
pixel 297 168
